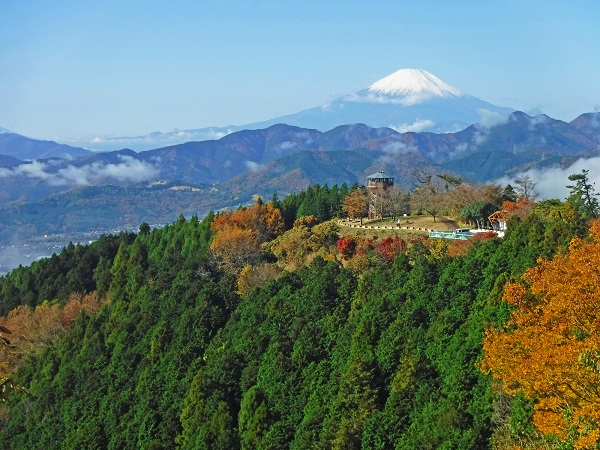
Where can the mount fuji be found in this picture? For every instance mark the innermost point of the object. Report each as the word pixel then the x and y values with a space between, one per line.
pixel 406 100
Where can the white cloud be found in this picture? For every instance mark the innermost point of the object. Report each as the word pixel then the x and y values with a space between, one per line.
pixel 416 126
pixel 459 151
pixel 552 182
pixel 398 148
pixel 487 120
pixel 72 174
pixel 253 166
pixel 287 145
pixel 537 120
pixel 490 119
pixel 395 149
pixel 480 136
pixel 154 140
pixel 34 169
pixel 128 170
pixel 462 147
pixel 539 109
pixel 372 97
pixel 306 137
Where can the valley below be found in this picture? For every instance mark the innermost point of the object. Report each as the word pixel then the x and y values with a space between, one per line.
pixel 16 253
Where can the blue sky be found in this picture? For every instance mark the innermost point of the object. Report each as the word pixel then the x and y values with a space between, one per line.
pixel 83 68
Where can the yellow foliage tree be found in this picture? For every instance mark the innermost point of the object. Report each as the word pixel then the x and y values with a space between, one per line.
pixel 550 347
pixel 235 248
pixel 254 276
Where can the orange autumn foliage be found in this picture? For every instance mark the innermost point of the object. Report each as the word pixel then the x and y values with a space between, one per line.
pixel 265 221
pixel 460 248
pixel 26 330
pixel 520 208
pixel 239 235
pixel 550 347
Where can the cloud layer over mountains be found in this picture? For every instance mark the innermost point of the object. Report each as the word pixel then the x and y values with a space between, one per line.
pixel 552 182
pixel 128 170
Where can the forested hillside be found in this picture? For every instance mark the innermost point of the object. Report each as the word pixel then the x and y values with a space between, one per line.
pixel 259 329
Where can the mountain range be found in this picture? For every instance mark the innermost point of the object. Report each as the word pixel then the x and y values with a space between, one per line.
pixel 406 100
pixel 68 189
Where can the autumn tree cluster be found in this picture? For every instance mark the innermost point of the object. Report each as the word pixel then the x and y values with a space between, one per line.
pixel 27 330
pixel 239 235
pixel 307 238
pixel 360 253
pixel 550 347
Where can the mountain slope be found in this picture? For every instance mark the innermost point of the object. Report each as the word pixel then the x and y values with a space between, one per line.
pixel 380 355
pixel 8 161
pixel 106 208
pixel 23 148
pixel 588 124
pixel 487 165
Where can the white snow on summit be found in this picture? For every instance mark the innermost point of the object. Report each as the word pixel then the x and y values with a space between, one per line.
pixel 413 82
pixel 408 100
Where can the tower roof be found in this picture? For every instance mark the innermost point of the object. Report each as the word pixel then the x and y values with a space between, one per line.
pixel 379 175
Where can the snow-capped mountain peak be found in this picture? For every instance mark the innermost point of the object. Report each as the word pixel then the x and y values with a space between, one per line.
pixel 407 100
pixel 413 82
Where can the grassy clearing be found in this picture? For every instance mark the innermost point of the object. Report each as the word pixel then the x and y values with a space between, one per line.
pixel 408 227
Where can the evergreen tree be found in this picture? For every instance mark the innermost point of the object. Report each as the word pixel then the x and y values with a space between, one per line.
pixel 583 195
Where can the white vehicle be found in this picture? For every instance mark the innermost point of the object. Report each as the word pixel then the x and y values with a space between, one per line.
pixel 462 231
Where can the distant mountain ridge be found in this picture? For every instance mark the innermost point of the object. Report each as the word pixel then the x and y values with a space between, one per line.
pixel 24 148
pixel 406 100
pixel 249 151
pixel 199 176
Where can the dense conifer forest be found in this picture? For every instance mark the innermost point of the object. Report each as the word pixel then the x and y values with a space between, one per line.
pixel 263 329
